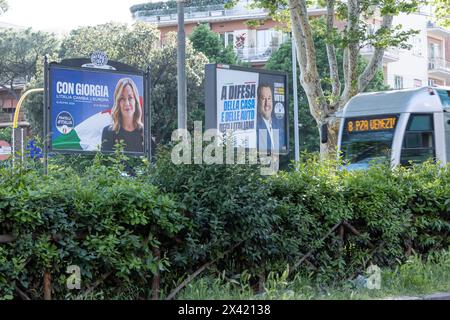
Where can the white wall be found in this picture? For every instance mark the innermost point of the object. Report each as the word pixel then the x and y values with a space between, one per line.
pixel 413 63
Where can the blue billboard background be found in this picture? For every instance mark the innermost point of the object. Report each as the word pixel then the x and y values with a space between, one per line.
pixel 81 101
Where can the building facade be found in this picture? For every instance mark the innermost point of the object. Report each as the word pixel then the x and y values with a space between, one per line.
pixel 426 63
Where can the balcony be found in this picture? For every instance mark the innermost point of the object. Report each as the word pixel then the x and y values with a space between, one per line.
pixel 204 13
pixel 435 30
pixel 439 67
pixel 390 54
pixel 7 118
pixel 255 54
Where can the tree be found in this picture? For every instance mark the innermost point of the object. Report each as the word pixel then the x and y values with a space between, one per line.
pixel 20 51
pixel 442 11
pixel 324 104
pixel 206 41
pixel 3 6
pixel 164 84
pixel 281 60
pixel 138 46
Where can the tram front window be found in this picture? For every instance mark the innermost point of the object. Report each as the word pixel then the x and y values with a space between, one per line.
pixel 368 139
pixel 365 147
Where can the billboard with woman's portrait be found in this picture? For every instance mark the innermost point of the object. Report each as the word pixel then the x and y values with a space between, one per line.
pixel 96 110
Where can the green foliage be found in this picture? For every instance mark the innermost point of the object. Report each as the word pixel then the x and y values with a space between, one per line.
pixel 415 277
pixel 281 60
pixel 100 221
pixel 20 51
pixel 442 11
pixel 5 134
pixel 206 41
pixel 3 6
pixel 109 223
pixel 225 206
pixel 164 98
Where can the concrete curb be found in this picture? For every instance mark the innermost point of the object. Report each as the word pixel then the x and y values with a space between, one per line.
pixel 434 296
pixel 438 296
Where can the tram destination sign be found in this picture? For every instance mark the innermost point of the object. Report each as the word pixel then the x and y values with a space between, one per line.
pixel 371 123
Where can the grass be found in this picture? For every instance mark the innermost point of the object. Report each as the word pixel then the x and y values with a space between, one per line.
pixel 415 277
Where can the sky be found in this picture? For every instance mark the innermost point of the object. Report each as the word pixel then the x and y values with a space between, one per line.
pixel 61 16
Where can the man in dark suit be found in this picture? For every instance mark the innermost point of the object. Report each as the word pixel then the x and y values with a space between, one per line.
pixel 268 141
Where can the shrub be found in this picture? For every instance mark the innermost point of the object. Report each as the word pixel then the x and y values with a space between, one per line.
pixel 121 229
pixel 101 221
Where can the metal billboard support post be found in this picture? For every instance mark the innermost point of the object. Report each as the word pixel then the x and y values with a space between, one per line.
pixel 13 140
pixel 21 142
pixel 181 68
pixel 148 120
pixel 46 107
pixel 295 93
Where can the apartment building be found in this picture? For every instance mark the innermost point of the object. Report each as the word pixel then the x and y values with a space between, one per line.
pixel 426 63
pixel 251 44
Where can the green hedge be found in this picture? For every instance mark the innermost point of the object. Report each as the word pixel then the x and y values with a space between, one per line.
pixel 113 225
pixel 101 221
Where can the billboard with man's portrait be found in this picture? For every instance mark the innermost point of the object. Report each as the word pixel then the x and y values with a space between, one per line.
pixel 248 106
pixel 96 110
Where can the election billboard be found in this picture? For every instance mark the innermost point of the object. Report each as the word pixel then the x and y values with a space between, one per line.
pixel 248 106
pixel 93 110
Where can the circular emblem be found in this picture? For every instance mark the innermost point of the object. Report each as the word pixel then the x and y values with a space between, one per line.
pixel 64 122
pixel 99 58
pixel 279 110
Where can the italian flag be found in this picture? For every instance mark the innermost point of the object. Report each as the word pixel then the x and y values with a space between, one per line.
pixel 86 136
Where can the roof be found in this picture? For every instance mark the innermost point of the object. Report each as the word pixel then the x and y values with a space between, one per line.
pixel 396 101
pixel 6 25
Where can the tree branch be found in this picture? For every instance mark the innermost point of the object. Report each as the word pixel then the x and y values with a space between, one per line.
pixel 376 60
pixel 305 257
pixel 331 52
pixel 298 35
pixel 200 270
pixel 351 73
pixel 309 76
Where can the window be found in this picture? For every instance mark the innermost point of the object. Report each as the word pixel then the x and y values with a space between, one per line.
pixel 444 96
pixel 431 82
pixel 398 82
pixel 368 139
pixel 434 51
pixel 417 83
pixel 268 38
pixel 417 46
pixel 230 39
pixel 418 143
pixel 227 39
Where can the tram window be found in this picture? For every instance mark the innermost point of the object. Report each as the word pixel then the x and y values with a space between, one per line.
pixel 444 95
pixel 418 143
pixel 420 123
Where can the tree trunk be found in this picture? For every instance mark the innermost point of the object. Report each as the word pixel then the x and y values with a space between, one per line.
pixel 47 286
pixel 329 150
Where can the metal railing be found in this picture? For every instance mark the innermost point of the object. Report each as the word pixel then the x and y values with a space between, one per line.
pixel 219 10
pixel 9 117
pixel 438 64
pixel 255 53
pixel 391 52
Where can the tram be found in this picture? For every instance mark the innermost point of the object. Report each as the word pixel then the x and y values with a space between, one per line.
pixel 400 126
